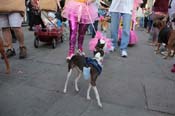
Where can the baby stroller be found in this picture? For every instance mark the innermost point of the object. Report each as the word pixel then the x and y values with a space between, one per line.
pixel 49 34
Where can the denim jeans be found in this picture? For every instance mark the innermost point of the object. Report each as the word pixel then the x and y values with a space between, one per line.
pixel 115 21
pixel 141 22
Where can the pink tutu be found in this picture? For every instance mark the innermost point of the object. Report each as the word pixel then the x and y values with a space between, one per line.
pixel 133 37
pixel 81 12
pixel 93 42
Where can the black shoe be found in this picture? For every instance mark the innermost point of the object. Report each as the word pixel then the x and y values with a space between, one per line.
pixel 10 52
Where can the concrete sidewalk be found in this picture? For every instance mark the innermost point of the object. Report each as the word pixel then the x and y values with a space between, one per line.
pixel 140 85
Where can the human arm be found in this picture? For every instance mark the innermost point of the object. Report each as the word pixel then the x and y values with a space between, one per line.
pixel 58 3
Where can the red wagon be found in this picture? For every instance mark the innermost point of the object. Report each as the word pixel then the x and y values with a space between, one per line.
pixel 52 36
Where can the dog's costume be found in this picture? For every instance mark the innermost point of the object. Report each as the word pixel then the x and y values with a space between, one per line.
pixel 93 42
pixel 95 64
pixel 79 14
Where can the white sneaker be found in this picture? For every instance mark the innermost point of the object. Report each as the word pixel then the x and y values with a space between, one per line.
pixel 124 53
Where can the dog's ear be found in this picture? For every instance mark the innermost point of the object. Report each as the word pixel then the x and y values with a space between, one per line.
pixel 100 44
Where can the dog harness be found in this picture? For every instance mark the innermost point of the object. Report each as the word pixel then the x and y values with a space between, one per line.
pixel 94 63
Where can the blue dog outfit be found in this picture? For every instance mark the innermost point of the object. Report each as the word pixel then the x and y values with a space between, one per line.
pixel 94 63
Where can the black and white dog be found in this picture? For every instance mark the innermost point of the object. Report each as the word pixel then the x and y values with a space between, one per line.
pixel 80 62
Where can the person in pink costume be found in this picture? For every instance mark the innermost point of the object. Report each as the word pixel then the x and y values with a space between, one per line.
pixel 79 13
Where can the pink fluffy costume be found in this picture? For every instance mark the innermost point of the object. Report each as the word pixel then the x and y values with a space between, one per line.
pixel 79 13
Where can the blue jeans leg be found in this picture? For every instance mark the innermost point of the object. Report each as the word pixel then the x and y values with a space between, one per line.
pixel 115 21
pixel 125 31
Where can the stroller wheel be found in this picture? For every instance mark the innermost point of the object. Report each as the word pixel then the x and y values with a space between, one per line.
pixel 36 43
pixel 54 43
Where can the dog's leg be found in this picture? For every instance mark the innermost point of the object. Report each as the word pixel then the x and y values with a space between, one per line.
pixel 88 92
pixel 97 96
pixel 157 50
pixel 168 54
pixel 76 80
pixel 2 51
pixel 67 79
pixel 6 62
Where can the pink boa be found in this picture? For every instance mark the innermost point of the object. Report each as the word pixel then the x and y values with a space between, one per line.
pixel 93 42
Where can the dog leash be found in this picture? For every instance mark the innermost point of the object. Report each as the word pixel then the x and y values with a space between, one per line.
pixel 90 18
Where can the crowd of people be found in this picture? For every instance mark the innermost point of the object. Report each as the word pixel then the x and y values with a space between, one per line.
pixel 80 14
pixel 163 11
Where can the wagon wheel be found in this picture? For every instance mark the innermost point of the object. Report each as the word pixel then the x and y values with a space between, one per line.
pixel 36 42
pixel 54 43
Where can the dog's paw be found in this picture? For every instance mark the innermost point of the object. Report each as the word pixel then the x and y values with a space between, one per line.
pixel 88 98
pixel 77 90
pixel 64 91
pixel 100 105
pixel 164 57
pixel 7 70
pixel 156 52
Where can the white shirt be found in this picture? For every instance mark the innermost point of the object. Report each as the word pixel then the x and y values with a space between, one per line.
pixel 122 6
pixel 139 12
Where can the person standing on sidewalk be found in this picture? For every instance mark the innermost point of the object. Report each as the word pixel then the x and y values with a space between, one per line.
pixel 118 9
pixel 13 18
pixel 171 12
pixel 79 13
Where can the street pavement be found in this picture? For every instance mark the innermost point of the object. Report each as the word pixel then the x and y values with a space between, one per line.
pixel 140 85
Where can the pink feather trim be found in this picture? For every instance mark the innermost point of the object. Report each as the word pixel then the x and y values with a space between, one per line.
pixel 93 42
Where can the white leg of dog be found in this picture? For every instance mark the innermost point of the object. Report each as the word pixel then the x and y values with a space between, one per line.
pixel 67 79
pixel 97 96
pixel 88 92
pixel 76 80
